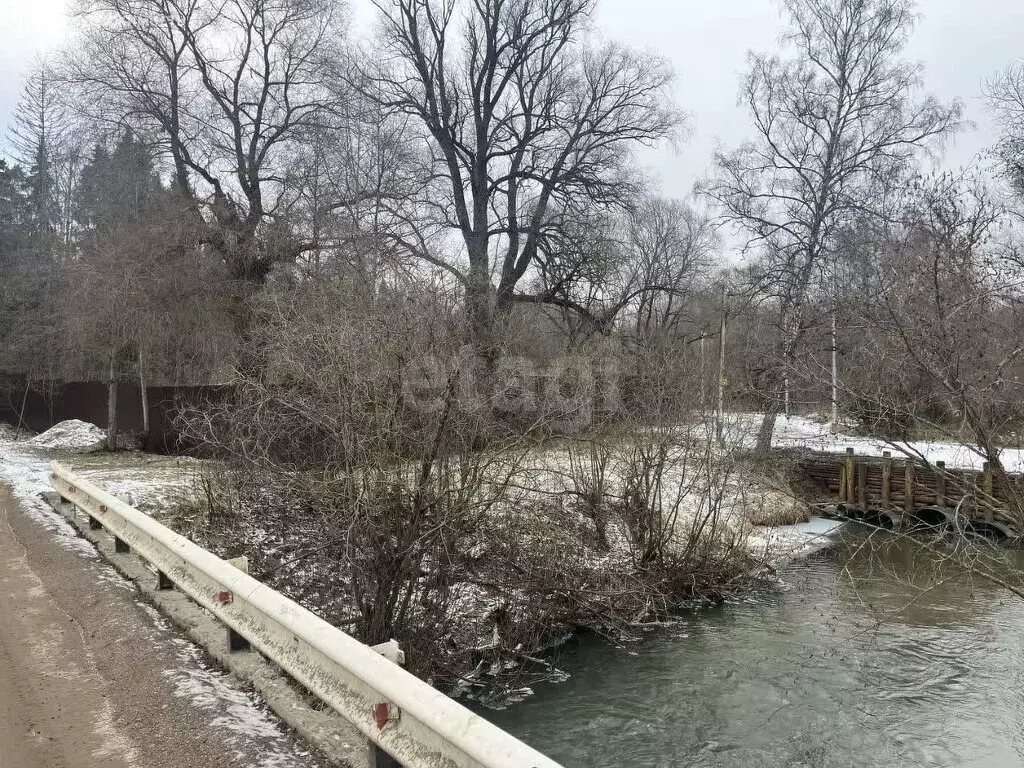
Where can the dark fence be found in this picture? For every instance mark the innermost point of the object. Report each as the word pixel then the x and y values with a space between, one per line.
pixel 42 405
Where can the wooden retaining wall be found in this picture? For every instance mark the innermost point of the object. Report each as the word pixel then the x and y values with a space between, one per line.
pixel 902 487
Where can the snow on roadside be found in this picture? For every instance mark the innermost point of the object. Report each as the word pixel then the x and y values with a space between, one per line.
pixel 25 469
pixel 236 712
pixel 27 472
pixel 71 435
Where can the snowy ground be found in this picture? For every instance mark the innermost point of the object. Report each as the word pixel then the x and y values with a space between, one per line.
pixel 804 432
pixel 157 485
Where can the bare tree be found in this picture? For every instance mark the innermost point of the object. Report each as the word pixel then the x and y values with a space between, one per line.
pixel 671 248
pixel 633 270
pixel 1005 94
pixel 951 311
pixel 145 298
pixel 43 141
pixel 835 123
pixel 526 118
pixel 228 89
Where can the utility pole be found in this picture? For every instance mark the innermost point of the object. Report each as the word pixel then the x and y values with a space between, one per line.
pixel 721 374
pixel 835 374
pixel 703 377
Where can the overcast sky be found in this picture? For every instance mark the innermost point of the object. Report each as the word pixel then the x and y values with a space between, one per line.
pixel 961 42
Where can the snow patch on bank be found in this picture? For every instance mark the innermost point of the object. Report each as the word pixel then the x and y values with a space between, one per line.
pixel 804 432
pixel 71 435
pixel 13 433
pixel 785 543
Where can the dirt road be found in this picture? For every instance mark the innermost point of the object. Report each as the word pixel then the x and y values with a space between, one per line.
pixel 90 677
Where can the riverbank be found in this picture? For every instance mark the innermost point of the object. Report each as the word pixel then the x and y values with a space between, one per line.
pixel 537 567
pixel 871 653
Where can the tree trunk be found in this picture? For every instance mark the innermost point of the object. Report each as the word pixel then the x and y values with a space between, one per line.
pixel 24 404
pixel 145 402
pixel 480 304
pixel 112 404
pixel 764 434
pixel 720 403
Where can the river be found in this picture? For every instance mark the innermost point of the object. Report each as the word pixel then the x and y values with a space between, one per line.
pixel 871 653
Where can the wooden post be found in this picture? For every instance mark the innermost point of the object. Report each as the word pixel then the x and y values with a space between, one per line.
pixel 862 486
pixel 940 484
pixel 908 489
pixel 842 482
pixel 986 486
pixel 886 479
pixel 850 477
pixel 967 483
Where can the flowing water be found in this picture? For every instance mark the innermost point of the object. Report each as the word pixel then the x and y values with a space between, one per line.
pixel 873 653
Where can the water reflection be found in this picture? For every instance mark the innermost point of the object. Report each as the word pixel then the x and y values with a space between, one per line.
pixel 875 653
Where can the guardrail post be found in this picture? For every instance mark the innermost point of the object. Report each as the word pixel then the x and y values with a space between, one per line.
pixel 163 581
pixel 378 757
pixel 235 641
pixel 381 759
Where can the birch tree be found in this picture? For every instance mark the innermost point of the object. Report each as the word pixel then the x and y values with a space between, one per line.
pixel 837 118
pixel 1005 94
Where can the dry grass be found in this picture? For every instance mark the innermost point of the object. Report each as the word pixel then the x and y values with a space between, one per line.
pixel 769 506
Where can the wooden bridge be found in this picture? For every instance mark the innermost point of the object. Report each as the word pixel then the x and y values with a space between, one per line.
pixel 905 494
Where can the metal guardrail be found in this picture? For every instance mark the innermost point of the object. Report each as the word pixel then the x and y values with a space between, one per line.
pixel 415 723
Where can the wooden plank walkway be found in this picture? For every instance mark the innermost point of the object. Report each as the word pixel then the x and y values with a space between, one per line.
pixel 908 492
